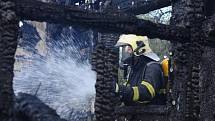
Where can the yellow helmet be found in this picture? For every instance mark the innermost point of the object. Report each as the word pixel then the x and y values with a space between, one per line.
pixel 133 40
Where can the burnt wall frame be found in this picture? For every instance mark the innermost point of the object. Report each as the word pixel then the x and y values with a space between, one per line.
pixel 185 33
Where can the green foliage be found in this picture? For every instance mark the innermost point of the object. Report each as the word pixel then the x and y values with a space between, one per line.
pixel 160 47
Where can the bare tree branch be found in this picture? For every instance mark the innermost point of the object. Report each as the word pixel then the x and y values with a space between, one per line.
pixel 104 22
pixel 142 6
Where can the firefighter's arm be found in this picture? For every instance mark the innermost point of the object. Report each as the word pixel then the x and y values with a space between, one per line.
pixel 146 89
pixel 125 92
pixel 149 86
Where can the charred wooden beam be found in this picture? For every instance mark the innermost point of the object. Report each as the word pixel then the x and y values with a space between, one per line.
pixel 8 39
pixel 141 6
pixel 147 109
pixel 32 108
pixel 104 22
pixel 162 31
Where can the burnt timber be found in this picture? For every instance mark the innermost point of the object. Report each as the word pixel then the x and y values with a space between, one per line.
pixel 194 62
pixel 114 22
pixel 140 6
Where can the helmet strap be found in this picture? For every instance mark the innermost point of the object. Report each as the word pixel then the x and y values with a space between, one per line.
pixel 140 45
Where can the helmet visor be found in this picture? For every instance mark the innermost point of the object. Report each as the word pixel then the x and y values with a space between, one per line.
pixel 125 55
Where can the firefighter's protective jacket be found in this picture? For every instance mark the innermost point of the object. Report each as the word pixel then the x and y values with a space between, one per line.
pixel 144 82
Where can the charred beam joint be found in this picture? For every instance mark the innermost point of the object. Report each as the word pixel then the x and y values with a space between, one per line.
pixel 162 31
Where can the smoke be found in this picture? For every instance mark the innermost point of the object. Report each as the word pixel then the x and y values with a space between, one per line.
pixel 63 78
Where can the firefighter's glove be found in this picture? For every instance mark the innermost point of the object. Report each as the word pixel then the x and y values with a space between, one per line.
pixel 122 92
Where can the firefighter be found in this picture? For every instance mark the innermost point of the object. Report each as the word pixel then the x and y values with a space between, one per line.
pixel 144 73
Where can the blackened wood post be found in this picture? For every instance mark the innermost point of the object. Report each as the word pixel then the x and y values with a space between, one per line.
pixel 8 45
pixel 187 60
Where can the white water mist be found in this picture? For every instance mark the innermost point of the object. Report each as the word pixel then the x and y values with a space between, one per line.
pixel 60 79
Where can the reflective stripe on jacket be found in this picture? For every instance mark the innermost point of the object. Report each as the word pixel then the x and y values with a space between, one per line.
pixel 145 80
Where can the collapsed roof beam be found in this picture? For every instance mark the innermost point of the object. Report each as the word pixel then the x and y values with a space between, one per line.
pixel 141 6
pixel 104 22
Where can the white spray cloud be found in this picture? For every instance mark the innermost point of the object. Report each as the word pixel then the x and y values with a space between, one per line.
pixel 62 81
